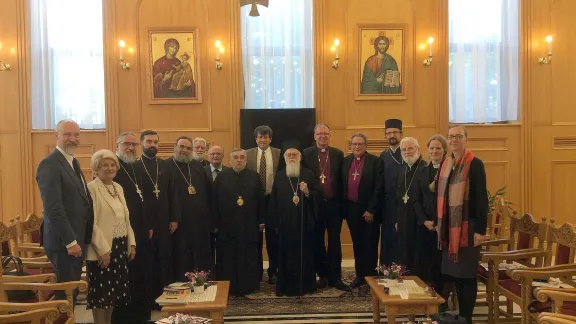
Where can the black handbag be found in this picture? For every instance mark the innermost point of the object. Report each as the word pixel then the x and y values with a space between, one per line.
pixel 17 296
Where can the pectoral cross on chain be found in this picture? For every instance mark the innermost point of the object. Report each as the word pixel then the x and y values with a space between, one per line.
pixel 355 174
pixel 156 191
pixel 322 177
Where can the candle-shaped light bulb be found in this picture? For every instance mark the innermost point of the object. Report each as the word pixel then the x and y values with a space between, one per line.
pixel 430 42
pixel 336 45
pixel 217 44
pixel 121 43
pixel 221 49
pixel 549 41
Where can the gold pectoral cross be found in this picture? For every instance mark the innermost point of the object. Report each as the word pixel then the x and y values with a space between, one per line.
pixel 322 177
pixel 156 191
pixel 405 198
pixel 139 192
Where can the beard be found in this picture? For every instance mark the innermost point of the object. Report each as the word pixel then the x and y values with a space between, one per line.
pixel 239 168
pixel 198 156
pixel 150 151
pixel 70 148
pixel 410 160
pixel 126 158
pixel 393 141
pixel 293 169
pixel 182 158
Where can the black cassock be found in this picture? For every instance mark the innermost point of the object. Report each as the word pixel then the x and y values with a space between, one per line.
pixel 406 216
pixel 138 310
pixel 238 205
pixel 295 223
pixel 192 238
pixel 392 166
pixel 160 209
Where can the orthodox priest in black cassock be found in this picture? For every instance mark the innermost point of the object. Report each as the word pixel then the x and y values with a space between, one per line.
pixel 406 215
pixel 392 159
pixel 292 212
pixel 238 205
pixel 192 240
pixel 162 211
pixel 130 176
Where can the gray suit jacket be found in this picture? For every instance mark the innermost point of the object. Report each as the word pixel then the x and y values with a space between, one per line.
pixel 252 159
pixel 68 210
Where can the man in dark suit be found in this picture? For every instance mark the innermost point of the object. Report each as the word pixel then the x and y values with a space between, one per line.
pixel 68 211
pixel 215 156
pixel 264 160
pixel 326 163
pixel 362 178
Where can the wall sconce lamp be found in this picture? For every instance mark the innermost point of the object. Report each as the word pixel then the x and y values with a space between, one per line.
pixel 4 66
pixel 219 49
pixel 335 50
pixel 547 60
pixel 125 66
pixel 428 61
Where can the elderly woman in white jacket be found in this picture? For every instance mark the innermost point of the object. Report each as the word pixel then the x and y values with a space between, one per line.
pixel 113 244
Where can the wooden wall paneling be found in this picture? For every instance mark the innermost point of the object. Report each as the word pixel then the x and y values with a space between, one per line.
pixel 525 107
pixel 563 173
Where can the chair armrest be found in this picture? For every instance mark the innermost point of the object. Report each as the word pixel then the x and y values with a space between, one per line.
pixel 544 316
pixel 514 255
pixel 82 286
pixel 41 278
pixel 51 314
pixel 29 244
pixel 495 242
pixel 42 258
pixel 542 294
pixel 61 305
pixel 33 249
pixel 549 272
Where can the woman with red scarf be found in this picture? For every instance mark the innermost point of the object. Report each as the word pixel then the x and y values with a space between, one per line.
pixel 462 212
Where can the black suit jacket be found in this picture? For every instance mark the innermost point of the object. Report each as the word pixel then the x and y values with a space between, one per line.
pixel 208 169
pixel 68 210
pixel 371 188
pixel 310 161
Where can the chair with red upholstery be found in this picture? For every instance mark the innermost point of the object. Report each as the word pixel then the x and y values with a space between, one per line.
pixel 554 318
pixel 26 231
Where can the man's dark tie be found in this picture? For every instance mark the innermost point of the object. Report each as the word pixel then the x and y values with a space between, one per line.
pixel 262 171
pixel 77 170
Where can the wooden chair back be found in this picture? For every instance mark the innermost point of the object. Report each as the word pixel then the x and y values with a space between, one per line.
pixel 526 233
pixel 7 234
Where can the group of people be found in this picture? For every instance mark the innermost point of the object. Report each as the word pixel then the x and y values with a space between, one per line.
pixel 143 222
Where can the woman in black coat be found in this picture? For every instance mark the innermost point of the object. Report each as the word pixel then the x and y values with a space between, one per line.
pixel 428 260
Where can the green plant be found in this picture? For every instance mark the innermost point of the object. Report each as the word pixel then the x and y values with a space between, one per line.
pixel 500 193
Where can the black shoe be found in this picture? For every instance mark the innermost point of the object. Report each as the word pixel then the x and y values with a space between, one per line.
pixel 338 284
pixel 321 283
pixel 358 282
pixel 272 279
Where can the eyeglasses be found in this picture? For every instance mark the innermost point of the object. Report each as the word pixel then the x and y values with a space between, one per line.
pixel 322 134
pixel 457 136
pixel 128 144
pixel 357 144
pixel 394 133
pixel 215 154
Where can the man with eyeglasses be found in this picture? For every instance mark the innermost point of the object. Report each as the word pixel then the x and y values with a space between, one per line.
pixel 392 160
pixel 362 177
pixel 194 187
pixel 215 156
pixel 326 163
pixel 131 177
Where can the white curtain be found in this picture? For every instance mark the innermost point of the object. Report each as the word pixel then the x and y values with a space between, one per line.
pixel 67 64
pixel 483 62
pixel 277 55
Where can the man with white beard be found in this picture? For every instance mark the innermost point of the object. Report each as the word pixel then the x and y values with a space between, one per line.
pixel 405 192
pixel 130 176
pixel 292 215
pixel 194 188
pixel 199 145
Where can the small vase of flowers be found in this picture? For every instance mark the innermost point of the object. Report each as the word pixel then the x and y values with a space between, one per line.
pixel 393 272
pixel 198 279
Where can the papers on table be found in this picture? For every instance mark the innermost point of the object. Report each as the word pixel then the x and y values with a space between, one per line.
pixel 179 318
pixel 407 289
pixel 174 295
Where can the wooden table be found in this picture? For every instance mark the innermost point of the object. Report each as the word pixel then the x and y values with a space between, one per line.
pixel 213 309
pixel 395 305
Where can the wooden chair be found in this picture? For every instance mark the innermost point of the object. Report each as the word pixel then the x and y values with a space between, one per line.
pixel 526 247
pixel 7 233
pixel 27 232
pixel 562 301
pixel 561 250
pixel 9 239
pixel 553 318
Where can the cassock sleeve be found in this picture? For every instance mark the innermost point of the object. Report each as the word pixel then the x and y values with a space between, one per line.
pixel 272 219
pixel 261 202
pixel 378 195
pixel 174 201
pixel 478 196
pixel 419 187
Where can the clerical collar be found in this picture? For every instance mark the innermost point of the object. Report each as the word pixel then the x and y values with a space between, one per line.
pixel 322 149
pixel 358 158
pixel 149 158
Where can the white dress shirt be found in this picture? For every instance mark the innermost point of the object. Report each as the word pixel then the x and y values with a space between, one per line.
pixel 214 173
pixel 269 168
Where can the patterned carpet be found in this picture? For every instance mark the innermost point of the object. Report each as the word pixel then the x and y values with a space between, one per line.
pixel 327 300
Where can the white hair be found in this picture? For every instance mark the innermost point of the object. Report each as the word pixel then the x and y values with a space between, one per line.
pixel 411 140
pixel 199 139
pixel 101 155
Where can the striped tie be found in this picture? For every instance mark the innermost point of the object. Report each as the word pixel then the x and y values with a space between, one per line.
pixel 262 171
